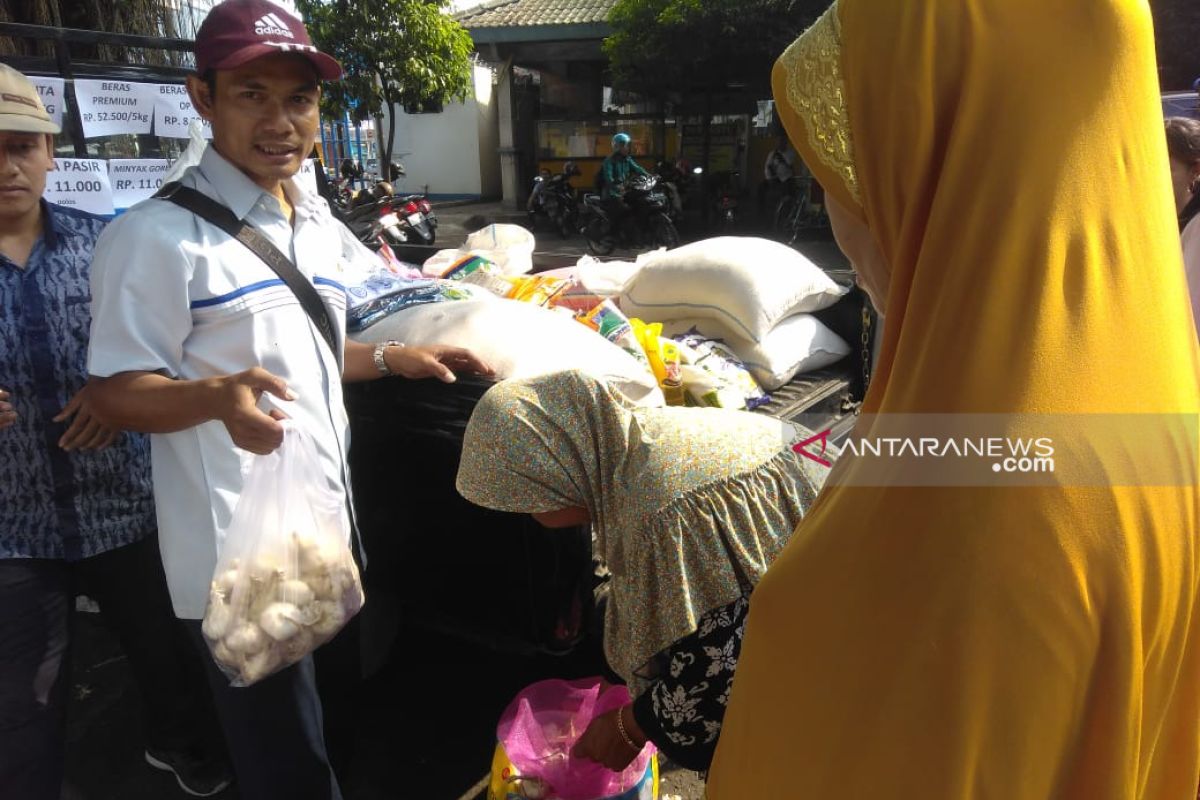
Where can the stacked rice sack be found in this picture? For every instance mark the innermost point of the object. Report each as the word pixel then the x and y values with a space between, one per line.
pixel 755 296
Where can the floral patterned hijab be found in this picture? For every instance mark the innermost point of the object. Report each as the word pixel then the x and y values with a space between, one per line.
pixel 688 506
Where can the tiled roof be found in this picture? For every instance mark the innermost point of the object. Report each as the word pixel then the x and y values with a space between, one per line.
pixel 528 13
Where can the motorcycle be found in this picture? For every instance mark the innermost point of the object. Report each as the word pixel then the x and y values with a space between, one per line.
pixel 725 201
pixel 639 217
pixel 554 198
pixel 413 221
pixel 379 213
pixel 802 208
pixel 675 182
pixel 372 218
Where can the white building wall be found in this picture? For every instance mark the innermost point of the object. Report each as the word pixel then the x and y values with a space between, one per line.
pixel 444 151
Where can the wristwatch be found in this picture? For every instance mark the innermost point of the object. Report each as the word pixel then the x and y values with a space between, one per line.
pixel 377 356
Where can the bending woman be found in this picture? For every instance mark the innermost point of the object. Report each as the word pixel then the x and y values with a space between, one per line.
pixel 997 172
pixel 688 507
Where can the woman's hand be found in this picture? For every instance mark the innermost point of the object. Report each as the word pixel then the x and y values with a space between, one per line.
pixel 602 741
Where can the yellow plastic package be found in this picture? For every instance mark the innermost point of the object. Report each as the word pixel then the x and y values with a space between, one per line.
pixel 507 783
pixel 541 290
pixel 608 321
pixel 665 361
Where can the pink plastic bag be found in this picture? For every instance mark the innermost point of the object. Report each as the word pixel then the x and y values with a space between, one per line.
pixel 543 723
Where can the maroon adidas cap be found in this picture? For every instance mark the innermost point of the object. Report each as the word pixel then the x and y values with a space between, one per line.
pixel 238 31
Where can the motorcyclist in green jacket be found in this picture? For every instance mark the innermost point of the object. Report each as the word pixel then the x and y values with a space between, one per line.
pixel 618 167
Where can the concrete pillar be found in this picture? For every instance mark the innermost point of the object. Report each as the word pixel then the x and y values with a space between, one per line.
pixel 508 152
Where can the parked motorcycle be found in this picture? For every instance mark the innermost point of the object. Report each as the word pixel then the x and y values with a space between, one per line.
pixel 725 201
pixel 372 218
pixel 415 222
pixel 638 218
pixel 802 208
pixel 675 180
pixel 378 214
pixel 554 198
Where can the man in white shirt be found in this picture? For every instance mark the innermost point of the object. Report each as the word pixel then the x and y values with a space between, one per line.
pixel 777 172
pixel 197 341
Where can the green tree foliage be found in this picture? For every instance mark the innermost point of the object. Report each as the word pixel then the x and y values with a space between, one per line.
pixel 394 52
pixel 663 46
pixel 660 46
pixel 140 17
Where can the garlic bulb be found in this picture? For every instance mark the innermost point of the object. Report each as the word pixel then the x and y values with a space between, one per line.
pixel 333 617
pixel 295 592
pixel 315 553
pixel 321 585
pixel 280 621
pixel 275 607
pixel 265 570
pixel 218 618
pixel 223 655
pixel 224 583
pixel 246 638
pixel 260 665
pixel 310 614
pixel 298 646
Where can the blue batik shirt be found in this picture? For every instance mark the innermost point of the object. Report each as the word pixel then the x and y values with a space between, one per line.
pixel 55 504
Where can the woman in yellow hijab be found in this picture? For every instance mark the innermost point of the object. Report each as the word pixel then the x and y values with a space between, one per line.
pixel 997 171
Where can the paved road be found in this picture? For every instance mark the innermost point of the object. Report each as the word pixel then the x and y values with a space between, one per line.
pixel 456 222
pixel 426 724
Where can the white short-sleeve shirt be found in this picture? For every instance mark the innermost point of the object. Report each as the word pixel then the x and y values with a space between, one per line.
pixel 172 293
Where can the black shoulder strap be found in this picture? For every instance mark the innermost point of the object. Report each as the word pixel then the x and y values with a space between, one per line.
pixel 208 209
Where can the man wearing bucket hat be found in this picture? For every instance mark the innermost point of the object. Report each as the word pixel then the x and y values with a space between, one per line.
pixel 208 343
pixel 76 507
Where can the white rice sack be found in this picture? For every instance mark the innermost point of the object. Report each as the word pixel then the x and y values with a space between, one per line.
pixel 436 265
pixel 749 285
pixel 801 343
pixel 508 246
pixel 519 340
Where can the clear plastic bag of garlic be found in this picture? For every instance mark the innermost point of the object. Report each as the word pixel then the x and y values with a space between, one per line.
pixel 263 615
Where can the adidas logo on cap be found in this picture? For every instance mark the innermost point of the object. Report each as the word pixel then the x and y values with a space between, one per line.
pixel 271 25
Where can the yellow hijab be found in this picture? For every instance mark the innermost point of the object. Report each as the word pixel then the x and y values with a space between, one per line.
pixel 1033 642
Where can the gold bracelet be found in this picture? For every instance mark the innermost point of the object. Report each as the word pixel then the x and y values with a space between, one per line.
pixel 621 730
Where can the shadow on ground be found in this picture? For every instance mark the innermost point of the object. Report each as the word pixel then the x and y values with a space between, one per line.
pixel 425 725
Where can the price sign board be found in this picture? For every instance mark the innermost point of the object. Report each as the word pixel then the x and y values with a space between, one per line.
pixel 80 183
pixel 173 112
pixel 51 92
pixel 135 179
pixel 112 107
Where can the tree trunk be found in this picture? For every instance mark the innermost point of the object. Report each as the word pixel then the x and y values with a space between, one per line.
pixel 386 152
pixel 386 137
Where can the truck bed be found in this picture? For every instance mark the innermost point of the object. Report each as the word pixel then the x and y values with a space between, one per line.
pixel 490 577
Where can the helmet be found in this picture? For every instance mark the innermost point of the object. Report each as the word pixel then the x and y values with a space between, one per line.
pixel 570 168
pixel 620 139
